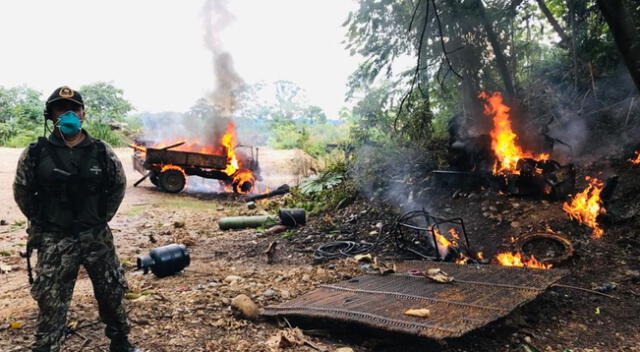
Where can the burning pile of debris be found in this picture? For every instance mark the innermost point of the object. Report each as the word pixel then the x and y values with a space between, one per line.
pixel 422 235
pixel 167 164
pixel 498 161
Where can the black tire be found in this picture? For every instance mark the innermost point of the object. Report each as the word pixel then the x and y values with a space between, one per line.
pixel 154 178
pixel 243 188
pixel 172 181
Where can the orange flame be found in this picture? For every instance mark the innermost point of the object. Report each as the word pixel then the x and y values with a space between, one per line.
pixel 587 205
pixel 442 240
pixel 504 141
pixel 226 145
pixel 173 167
pixel 516 259
pixel 245 181
pixel 636 159
pixel 229 142
pixel 462 259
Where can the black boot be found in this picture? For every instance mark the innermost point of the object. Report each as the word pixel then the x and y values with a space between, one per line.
pixel 122 345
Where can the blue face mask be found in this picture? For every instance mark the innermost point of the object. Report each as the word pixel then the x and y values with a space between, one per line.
pixel 69 123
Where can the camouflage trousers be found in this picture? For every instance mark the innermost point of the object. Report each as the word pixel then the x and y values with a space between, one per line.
pixel 59 259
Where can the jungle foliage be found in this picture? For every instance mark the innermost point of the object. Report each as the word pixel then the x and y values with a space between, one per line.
pixel 523 48
pixel 22 121
pixel 566 67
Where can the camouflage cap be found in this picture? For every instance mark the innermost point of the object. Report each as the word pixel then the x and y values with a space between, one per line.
pixel 65 93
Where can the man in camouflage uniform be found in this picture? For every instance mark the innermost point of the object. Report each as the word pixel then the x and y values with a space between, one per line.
pixel 69 186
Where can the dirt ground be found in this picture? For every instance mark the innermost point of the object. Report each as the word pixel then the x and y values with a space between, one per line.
pixel 191 311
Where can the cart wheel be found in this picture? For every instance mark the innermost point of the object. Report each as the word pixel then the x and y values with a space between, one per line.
pixel 172 181
pixel 154 178
pixel 243 187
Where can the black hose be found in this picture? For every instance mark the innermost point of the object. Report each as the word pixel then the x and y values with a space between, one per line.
pixel 341 249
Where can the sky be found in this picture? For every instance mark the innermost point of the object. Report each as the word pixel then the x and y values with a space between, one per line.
pixel 155 51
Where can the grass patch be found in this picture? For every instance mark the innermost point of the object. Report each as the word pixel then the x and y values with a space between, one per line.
pixel 135 210
pixel 185 203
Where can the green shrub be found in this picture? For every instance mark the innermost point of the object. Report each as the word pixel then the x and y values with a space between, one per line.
pixel 22 138
pixel 105 133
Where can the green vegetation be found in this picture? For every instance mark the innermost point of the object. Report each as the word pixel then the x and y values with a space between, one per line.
pixel 562 66
pixel 22 121
pixel 292 122
pixel 332 189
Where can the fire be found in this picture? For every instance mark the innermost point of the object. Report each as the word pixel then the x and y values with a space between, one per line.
pixel 442 240
pixel 587 205
pixel 240 179
pixel 504 141
pixel 244 181
pixel 462 259
pixel 516 259
pixel 173 167
pixel 453 233
pixel 636 159
pixel 229 142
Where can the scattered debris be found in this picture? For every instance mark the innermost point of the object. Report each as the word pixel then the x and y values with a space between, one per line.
pixel 165 261
pixel 245 306
pixel 382 267
pixel 420 312
pixel 436 274
pixel 4 269
pixel 363 258
pixel 550 247
pixel 270 252
pixel 178 224
pixel 340 249
pixel 275 230
pixel 286 338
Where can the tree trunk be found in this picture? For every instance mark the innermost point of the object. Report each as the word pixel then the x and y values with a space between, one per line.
pixel 468 61
pixel 501 61
pixel 624 34
pixel 564 38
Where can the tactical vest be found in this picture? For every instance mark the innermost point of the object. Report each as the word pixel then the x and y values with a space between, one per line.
pixel 71 186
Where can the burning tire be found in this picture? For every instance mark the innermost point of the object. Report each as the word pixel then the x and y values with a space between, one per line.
pixel 243 182
pixel 243 187
pixel 172 180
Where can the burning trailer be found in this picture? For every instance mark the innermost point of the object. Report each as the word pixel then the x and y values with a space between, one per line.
pixel 168 167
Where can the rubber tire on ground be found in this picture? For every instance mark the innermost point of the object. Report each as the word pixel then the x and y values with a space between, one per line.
pixel 242 189
pixel 172 181
pixel 154 178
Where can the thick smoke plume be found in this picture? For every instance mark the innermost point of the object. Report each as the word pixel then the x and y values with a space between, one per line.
pixel 216 18
pixel 209 119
